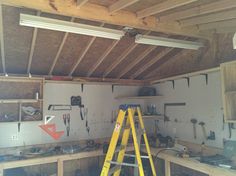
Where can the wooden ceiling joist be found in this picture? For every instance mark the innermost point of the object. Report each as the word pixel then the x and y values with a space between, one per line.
pixel 200 10
pixel 162 7
pixel 119 60
pixel 102 14
pixel 59 50
pixel 121 4
pixel 151 62
pixel 2 42
pixel 81 2
pixel 217 25
pixel 135 61
pixel 102 58
pixel 32 47
pixel 220 16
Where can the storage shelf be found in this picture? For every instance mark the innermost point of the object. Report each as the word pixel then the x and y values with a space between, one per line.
pixel 138 97
pixel 20 100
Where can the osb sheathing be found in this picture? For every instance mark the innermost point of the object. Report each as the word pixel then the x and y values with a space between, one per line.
pixel 17 40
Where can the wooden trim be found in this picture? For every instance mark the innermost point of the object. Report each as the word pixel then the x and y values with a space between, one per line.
pixel 211 70
pixel 60 169
pixel 200 10
pixel 220 16
pixel 135 61
pixel 59 50
pixel 167 168
pixel 162 7
pixel 151 62
pixel 2 41
pixel 32 47
pixel 121 4
pixel 102 58
pixel 119 59
pixel 100 13
pixel 80 3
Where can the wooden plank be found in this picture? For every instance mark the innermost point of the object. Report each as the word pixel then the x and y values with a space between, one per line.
pixel 220 16
pixel 151 62
pixel 200 10
pixel 60 170
pixel 217 25
pixel 32 47
pixel 2 42
pixel 167 168
pixel 100 13
pixel 102 58
pixel 121 4
pixel 135 61
pixel 81 2
pixel 119 59
pixel 59 50
pixel 162 7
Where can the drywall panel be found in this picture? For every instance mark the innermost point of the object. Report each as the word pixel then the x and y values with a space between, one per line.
pixel 99 99
pixel 203 102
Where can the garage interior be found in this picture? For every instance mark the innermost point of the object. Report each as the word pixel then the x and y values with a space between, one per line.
pixel 72 70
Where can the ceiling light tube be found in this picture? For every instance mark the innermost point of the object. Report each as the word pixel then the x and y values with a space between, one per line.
pixel 168 42
pixel 71 27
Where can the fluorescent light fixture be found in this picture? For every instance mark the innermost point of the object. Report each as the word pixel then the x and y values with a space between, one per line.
pixel 234 41
pixel 71 27
pixel 162 41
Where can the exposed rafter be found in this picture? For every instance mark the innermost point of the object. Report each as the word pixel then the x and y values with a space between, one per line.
pixel 200 10
pixel 119 59
pixel 151 62
pixel 101 14
pixel 121 4
pixel 220 16
pixel 2 42
pixel 32 47
pixel 59 50
pixel 218 24
pixel 162 7
pixel 81 2
pixel 135 61
pixel 102 58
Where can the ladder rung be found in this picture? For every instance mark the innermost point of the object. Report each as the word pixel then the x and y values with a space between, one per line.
pixel 129 155
pixel 123 164
pixel 113 170
pixel 127 127
pixel 121 147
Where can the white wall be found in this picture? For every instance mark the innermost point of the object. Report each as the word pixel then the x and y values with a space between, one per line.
pixel 99 100
pixel 203 102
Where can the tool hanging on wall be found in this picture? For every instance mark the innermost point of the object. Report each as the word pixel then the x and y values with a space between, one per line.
pixel 77 101
pixel 202 124
pixel 194 122
pixel 66 120
pixel 59 107
pixel 86 117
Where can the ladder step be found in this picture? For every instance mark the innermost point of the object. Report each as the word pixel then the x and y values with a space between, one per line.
pixel 123 164
pixel 113 170
pixel 134 156
pixel 127 127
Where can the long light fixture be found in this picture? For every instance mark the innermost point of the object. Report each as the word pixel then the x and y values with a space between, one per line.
pixel 168 42
pixel 234 41
pixel 71 27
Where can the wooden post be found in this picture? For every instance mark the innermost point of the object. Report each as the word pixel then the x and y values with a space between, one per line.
pixel 1 171
pixel 59 167
pixel 167 168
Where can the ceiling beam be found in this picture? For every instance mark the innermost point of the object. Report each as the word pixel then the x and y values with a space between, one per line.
pixel 121 4
pixel 81 2
pixel 151 62
pixel 115 63
pixel 59 50
pixel 101 14
pixel 217 25
pixel 220 16
pixel 200 10
pixel 2 42
pixel 162 7
pixel 102 58
pixel 135 61
pixel 32 47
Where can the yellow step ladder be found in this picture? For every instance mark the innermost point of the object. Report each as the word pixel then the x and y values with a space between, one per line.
pixel 107 170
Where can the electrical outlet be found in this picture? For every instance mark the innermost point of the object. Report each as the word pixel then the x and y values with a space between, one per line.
pixel 14 137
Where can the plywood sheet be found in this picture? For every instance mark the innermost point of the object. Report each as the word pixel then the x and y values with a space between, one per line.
pixel 17 40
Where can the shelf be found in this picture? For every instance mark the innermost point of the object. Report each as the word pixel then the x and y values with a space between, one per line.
pixel 19 100
pixel 138 97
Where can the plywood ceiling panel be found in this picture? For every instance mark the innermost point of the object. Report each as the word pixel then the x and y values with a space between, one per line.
pixel 17 40
pixel 103 2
